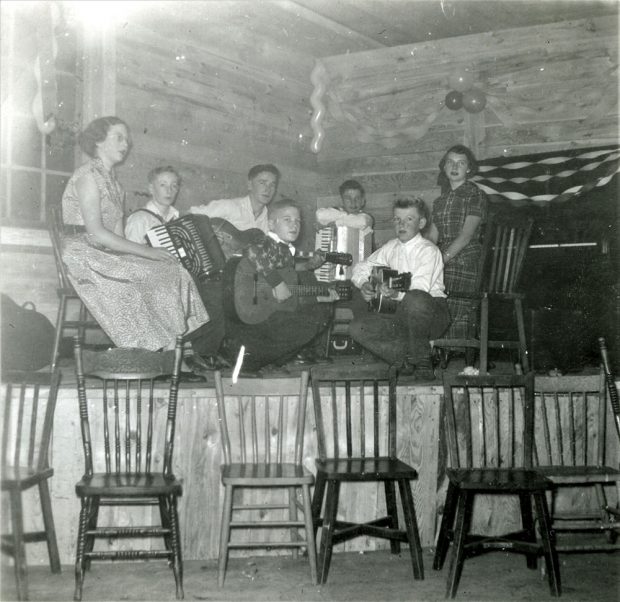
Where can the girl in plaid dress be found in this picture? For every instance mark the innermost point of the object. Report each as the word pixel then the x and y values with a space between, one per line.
pixel 457 216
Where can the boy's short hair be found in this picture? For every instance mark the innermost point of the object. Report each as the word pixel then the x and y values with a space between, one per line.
pixel 408 202
pixel 163 169
pixel 351 185
pixel 254 171
pixel 280 204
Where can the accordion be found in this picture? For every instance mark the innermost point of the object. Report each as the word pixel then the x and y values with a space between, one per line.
pixel 341 239
pixel 192 239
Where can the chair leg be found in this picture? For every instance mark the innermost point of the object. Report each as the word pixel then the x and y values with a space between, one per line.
pixel 463 520
pixel 528 526
pixel 411 525
pixel 305 492
pixel 390 504
pixel 175 540
pixel 164 516
pixel 317 500
pixel 93 517
pixel 447 522
pixel 81 548
pixel 327 531
pixel 484 334
pixel 19 545
pixel 224 534
pixel 292 516
pixel 548 543
pixel 60 320
pixel 48 522
pixel 522 339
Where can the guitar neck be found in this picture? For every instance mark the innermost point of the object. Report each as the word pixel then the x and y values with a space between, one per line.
pixel 308 290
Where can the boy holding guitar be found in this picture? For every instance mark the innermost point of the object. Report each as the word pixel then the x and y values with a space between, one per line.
pixel 421 312
pixel 265 311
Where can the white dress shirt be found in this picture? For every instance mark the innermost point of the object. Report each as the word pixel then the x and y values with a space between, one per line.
pixel 419 256
pixel 140 222
pixel 339 217
pixel 238 212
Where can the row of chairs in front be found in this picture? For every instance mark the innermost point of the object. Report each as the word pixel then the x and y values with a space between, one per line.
pixel 489 430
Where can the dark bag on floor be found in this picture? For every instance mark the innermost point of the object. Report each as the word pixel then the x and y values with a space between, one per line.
pixel 27 336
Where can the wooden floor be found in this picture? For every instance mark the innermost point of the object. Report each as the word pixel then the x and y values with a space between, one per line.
pixel 497 576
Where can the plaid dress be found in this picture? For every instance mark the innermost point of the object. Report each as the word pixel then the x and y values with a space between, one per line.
pixel 461 272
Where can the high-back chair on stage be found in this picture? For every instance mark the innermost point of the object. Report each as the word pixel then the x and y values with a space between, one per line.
pixel 503 253
pixel 355 414
pixel 28 416
pixel 262 435
pixel 571 440
pixel 489 425
pixel 128 422
pixel 65 291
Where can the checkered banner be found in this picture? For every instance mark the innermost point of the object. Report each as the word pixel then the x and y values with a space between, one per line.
pixel 548 178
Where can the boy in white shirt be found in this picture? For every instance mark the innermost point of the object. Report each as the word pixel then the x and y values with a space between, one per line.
pixel 403 338
pixel 164 185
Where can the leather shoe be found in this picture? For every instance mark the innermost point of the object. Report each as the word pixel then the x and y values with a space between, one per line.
pixel 192 377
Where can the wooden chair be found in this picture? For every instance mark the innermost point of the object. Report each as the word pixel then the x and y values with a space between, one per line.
pixel 612 389
pixel 355 413
pixel 28 416
pixel 65 291
pixel 490 429
pixel 262 440
pixel 571 419
pixel 503 253
pixel 128 442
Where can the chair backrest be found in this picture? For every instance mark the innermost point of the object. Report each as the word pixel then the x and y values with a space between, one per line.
pixel 504 247
pixel 55 225
pixel 354 411
pixel 257 426
pixel 28 417
pixel 489 420
pixel 612 389
pixel 570 418
pixel 128 423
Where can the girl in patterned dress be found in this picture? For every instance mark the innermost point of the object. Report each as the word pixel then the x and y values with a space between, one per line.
pixel 457 216
pixel 141 296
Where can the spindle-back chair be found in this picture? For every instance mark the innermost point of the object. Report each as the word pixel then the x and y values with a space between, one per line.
pixel 127 423
pixel 501 263
pixel 355 414
pixel 65 291
pixel 262 434
pixel 28 416
pixel 489 424
pixel 572 437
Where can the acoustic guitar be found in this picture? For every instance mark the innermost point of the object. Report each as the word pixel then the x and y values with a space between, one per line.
pixel 394 280
pixel 248 297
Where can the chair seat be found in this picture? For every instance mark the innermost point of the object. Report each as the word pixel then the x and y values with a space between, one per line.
pixel 23 477
pixel 365 469
pixel 498 479
pixel 580 474
pixel 128 484
pixel 264 475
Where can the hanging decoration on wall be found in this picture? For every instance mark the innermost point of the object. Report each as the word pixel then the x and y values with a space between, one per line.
pixel 318 79
pixel 463 94
pixel 45 102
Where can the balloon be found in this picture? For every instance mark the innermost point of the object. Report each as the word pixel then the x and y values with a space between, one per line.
pixel 461 81
pixel 474 100
pixel 454 100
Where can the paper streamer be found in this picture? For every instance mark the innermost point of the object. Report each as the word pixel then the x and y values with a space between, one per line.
pixel 317 78
pixel 238 364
